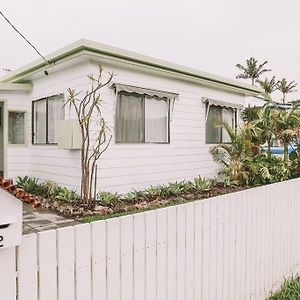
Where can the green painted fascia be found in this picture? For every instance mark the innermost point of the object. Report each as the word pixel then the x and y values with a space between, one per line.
pixel 26 87
pixel 97 48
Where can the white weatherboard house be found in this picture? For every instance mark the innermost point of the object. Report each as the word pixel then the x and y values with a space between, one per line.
pixel 160 115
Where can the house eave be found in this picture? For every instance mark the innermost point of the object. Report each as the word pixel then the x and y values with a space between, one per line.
pixel 127 56
pixel 14 87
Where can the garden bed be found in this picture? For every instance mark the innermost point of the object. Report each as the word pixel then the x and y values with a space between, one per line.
pixel 96 210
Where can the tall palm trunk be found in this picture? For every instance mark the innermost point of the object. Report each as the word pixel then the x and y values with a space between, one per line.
pixel 286 153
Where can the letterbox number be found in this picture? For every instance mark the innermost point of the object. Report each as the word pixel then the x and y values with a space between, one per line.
pixel 1 241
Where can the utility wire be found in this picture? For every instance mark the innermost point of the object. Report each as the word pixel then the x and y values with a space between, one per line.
pixel 36 50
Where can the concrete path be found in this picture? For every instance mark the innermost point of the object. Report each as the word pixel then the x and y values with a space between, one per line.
pixel 36 220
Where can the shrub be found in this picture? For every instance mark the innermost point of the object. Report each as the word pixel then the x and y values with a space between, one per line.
pixel 64 194
pixel 202 184
pixel 290 290
pixel 108 199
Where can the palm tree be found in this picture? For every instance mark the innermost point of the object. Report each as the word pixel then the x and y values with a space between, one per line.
pixel 233 156
pixel 252 70
pixel 286 127
pixel 286 87
pixel 268 86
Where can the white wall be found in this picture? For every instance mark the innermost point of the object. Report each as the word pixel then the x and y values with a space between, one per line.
pixel 124 166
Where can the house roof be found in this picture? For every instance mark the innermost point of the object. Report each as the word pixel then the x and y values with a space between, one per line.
pixel 19 75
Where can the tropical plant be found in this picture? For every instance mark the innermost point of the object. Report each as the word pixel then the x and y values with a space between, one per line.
pixel 268 86
pixel 88 109
pixel 290 290
pixel 265 169
pixel 28 184
pixel 108 199
pixel 286 87
pixel 202 184
pixel 286 127
pixel 64 194
pixel 253 70
pixel 233 156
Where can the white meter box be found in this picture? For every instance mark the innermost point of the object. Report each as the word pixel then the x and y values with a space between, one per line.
pixel 10 220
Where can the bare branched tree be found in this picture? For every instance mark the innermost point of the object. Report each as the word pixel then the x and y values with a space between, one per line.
pixel 87 107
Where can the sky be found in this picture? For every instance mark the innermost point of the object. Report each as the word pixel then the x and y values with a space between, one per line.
pixel 209 35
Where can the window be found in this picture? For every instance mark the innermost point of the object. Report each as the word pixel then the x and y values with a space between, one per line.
pixel 45 114
pixel 216 114
pixel 16 126
pixel 142 118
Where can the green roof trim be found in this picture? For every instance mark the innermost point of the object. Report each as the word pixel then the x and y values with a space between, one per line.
pixel 24 87
pixel 102 49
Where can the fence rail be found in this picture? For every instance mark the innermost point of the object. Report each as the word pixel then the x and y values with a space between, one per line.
pixel 235 246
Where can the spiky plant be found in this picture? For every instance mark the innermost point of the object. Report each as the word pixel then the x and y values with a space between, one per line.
pixel 286 87
pixel 253 70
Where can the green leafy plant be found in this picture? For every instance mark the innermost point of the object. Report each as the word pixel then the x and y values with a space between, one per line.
pixel 290 290
pixel 108 199
pixel 64 194
pixel 202 184
pixel 30 185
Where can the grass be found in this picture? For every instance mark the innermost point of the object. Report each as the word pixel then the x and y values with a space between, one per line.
pixel 290 290
pixel 121 214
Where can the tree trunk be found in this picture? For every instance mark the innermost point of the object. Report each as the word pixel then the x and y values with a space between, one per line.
pixel 285 153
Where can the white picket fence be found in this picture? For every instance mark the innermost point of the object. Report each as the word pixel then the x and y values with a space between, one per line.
pixel 236 246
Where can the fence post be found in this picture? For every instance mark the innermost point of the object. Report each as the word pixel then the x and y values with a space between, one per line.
pixel 8 273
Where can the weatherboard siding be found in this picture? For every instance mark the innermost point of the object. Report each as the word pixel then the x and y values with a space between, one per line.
pixel 17 155
pixel 126 166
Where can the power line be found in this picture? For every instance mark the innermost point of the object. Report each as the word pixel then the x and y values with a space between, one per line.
pixel 36 50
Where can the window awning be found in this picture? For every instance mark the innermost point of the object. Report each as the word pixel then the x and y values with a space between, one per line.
pixel 221 103
pixel 142 91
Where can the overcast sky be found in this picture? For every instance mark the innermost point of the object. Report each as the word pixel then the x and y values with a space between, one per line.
pixel 211 35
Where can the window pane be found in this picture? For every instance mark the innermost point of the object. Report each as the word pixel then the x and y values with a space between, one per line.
pixel 16 128
pixel 55 113
pixel 39 122
pixel 129 118
pixel 156 120
pixel 213 133
pixel 227 116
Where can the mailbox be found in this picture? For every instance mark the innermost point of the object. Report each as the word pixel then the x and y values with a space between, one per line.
pixel 11 218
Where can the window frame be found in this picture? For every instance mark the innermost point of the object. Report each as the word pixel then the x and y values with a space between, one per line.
pixel 235 120
pixel 144 96
pixel 47 119
pixel 24 131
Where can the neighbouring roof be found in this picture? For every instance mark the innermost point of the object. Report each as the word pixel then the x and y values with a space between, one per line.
pixel 107 51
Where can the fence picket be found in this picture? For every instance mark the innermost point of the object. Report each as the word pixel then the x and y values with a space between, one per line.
pixel 27 266
pixel 83 274
pixel 161 263
pixel 66 262
pixel 171 253
pixel 98 260
pixel 47 260
pixel 126 257
pixel 8 274
pixel 139 256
